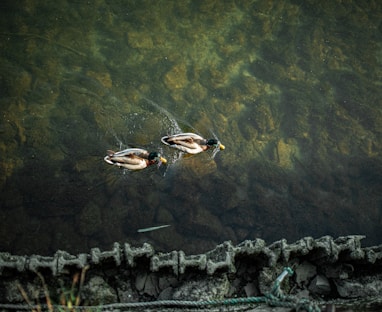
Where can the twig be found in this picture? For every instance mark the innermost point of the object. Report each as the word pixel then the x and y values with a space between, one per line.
pixel 25 296
pixel 45 39
pixel 82 280
pixel 46 292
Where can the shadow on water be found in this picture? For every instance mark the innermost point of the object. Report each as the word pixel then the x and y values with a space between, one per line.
pixel 291 92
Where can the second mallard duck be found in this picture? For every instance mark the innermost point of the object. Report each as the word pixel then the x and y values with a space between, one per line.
pixel 134 158
pixel 191 143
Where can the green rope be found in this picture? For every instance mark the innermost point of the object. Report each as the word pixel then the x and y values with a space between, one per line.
pixel 275 298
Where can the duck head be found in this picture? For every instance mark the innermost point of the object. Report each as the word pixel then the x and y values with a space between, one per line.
pixel 215 143
pixel 155 157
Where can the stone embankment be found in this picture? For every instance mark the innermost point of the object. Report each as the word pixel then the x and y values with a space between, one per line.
pixel 327 273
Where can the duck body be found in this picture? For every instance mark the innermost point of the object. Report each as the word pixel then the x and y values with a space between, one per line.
pixel 190 143
pixel 133 158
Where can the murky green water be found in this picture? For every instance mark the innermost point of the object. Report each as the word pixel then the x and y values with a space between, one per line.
pixel 291 88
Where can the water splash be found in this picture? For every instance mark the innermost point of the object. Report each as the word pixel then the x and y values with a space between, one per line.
pixel 174 126
pixel 217 148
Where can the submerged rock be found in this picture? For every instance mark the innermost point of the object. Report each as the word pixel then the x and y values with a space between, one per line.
pixel 176 78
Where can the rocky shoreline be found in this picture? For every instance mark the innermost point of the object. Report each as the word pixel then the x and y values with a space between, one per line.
pixel 327 272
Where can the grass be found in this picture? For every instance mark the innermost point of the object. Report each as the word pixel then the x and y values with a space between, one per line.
pixel 69 299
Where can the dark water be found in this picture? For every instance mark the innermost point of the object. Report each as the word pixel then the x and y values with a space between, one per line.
pixel 291 88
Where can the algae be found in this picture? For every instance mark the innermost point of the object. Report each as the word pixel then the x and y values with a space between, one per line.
pixel 291 89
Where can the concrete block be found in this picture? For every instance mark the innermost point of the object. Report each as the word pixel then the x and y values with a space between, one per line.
pixel 35 263
pixel 12 262
pixel 321 251
pixel 250 247
pixel 65 259
pixel 324 250
pixel 303 246
pixel 198 261
pixel 373 254
pixel 350 247
pixel 97 256
pixel 165 260
pixel 256 247
pixel 280 249
pixel 222 257
pixel 131 253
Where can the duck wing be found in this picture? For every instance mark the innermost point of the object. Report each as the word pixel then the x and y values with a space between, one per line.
pixel 130 156
pixel 185 142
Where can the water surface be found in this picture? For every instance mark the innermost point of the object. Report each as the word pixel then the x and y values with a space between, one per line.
pixel 291 88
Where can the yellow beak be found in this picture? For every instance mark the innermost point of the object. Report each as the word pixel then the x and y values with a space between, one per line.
pixel 163 160
pixel 222 146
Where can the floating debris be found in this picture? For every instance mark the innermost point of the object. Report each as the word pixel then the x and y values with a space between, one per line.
pixel 153 228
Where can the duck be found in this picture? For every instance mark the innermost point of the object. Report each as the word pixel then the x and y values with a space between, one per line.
pixel 134 158
pixel 191 143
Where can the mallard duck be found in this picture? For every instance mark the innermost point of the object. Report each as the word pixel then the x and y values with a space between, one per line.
pixel 191 143
pixel 134 158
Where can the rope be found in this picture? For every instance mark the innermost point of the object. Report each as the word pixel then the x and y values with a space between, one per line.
pixel 275 299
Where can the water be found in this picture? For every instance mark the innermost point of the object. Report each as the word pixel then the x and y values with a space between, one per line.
pixel 291 88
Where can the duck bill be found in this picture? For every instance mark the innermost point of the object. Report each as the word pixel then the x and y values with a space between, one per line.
pixel 221 146
pixel 162 161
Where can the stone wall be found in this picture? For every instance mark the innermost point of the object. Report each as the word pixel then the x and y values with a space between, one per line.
pixel 339 271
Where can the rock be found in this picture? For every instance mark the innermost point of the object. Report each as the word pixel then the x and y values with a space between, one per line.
pixel 166 294
pixel 124 289
pixel 268 309
pixel 267 278
pixel 303 294
pixel 176 78
pixel 151 285
pixel 198 168
pixel 147 284
pixel 103 77
pixel 167 281
pixel 140 281
pixel 320 285
pixel 212 288
pixel 90 219
pixel 99 292
pixel 250 290
pixel 204 223
pixel 196 93
pixel 16 82
pixel 12 293
pixel 341 271
pixel 364 287
pixel 285 151
pixel 126 294
pixel 304 273
pixel 349 289
pixel 140 40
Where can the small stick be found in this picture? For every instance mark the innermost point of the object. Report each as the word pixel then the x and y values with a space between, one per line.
pixel 82 279
pixel 46 292
pixel 46 39
pixel 25 296
pixel 153 228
